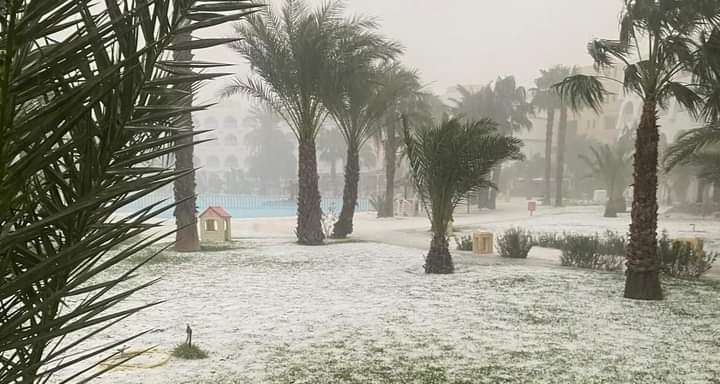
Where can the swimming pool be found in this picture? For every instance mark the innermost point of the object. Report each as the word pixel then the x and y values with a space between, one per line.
pixel 245 206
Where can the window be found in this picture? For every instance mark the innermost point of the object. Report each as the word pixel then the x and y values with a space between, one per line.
pixel 230 123
pixel 213 162
pixel 231 162
pixel 211 123
pixel 231 140
pixel 210 225
pixel 610 122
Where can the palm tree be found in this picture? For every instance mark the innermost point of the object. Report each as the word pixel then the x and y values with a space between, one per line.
pixel 503 102
pixel 447 162
pixel 186 237
pixel 559 74
pixel 409 101
pixel 291 54
pixel 91 101
pixel 612 165
pixel 544 99
pixel 697 150
pixel 357 101
pixel 669 39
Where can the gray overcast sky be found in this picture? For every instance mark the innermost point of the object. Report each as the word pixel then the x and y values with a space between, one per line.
pixel 473 41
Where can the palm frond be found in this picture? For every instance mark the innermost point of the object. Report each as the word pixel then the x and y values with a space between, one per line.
pixel 581 91
pixel 606 52
pixel 454 158
pixel 90 102
pixel 690 143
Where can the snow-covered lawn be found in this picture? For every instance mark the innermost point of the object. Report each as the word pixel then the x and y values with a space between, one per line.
pixel 275 312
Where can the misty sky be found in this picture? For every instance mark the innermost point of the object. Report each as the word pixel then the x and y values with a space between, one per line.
pixel 473 41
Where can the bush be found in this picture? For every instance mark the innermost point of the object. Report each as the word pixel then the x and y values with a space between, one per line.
pixel 613 244
pixel 592 252
pixel 464 243
pixel 189 352
pixel 678 259
pixel 549 240
pixel 515 243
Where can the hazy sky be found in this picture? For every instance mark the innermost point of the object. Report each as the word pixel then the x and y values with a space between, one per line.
pixel 473 41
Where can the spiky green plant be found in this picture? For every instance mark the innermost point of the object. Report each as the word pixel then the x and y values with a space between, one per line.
pixel 447 162
pixel 660 43
pixel 90 99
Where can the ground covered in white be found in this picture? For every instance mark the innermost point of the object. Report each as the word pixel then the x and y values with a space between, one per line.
pixel 270 311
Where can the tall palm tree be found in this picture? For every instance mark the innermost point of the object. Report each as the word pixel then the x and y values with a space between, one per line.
pixel 357 101
pixel 447 162
pixel 291 54
pixel 503 102
pixel 409 101
pixel 544 99
pixel 90 101
pixel 669 39
pixel 612 165
pixel 186 237
pixel 559 74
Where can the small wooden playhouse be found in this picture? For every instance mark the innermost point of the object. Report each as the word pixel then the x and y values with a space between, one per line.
pixel 215 225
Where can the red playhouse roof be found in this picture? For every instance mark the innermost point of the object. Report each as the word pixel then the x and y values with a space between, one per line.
pixel 218 211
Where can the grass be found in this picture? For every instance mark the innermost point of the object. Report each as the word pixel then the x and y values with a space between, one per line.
pixel 189 352
pixel 365 313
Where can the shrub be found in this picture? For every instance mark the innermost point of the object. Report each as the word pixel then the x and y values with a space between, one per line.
pixel 515 243
pixel 464 243
pixel 549 240
pixel 592 252
pixel 613 244
pixel 189 352
pixel 678 259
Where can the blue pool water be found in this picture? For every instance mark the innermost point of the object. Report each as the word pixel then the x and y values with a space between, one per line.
pixel 243 206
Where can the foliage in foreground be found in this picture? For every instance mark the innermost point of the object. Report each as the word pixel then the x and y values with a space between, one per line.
pixel 91 109
pixel 515 243
pixel 447 162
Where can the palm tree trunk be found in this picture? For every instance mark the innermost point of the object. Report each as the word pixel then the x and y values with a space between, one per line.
pixel 438 260
pixel 700 195
pixel 388 208
pixel 186 237
pixel 492 201
pixel 344 226
pixel 643 281
pixel 309 216
pixel 560 172
pixel 548 155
